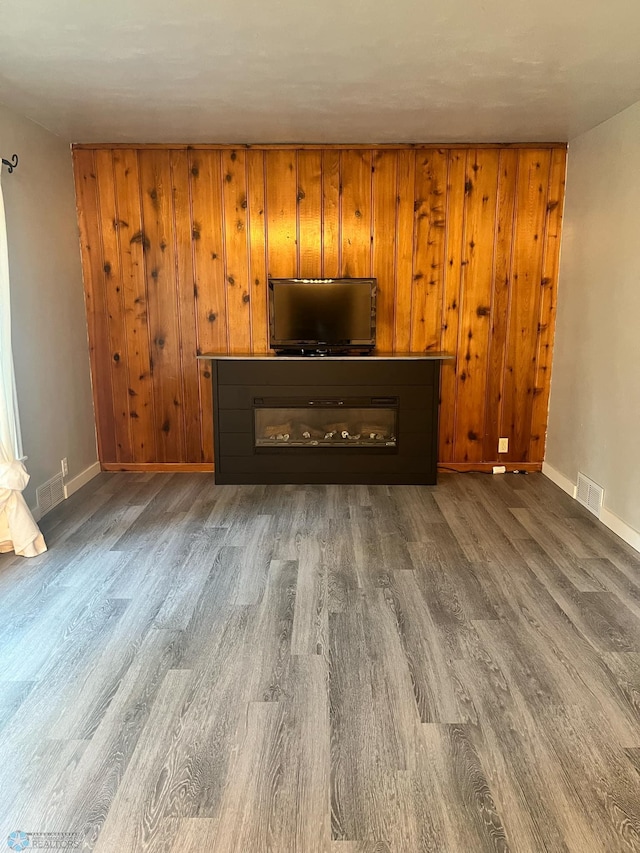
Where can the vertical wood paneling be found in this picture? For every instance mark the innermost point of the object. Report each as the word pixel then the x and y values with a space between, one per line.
pixel 131 247
pixel 429 245
pixel 282 223
pixel 309 213
pixel 234 194
pixel 185 281
pixel 114 303
pixel 356 213
pixel 208 249
pixel 177 245
pixel 385 174
pixel 507 173
pixel 162 303
pixel 97 315
pixel 257 252
pixel 524 311
pixel 208 259
pixel 481 185
pixel 547 321
pixel 404 256
pixel 331 239
pixel 456 172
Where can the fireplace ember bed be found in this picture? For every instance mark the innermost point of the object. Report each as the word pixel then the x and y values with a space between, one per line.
pixel 348 424
pixel 335 419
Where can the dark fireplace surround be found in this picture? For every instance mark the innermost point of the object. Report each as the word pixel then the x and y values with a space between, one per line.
pixel 351 419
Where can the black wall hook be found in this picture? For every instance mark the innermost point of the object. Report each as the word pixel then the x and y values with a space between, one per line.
pixel 10 164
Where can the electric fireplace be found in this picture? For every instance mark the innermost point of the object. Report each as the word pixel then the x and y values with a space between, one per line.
pixel 350 419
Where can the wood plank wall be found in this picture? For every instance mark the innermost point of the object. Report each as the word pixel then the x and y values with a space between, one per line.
pixel 177 243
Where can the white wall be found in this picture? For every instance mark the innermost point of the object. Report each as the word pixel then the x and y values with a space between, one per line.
pixel 594 419
pixel 47 306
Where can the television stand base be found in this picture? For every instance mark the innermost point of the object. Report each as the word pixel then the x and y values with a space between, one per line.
pixel 328 419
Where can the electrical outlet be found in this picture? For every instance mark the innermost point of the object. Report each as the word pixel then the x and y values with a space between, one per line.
pixel 503 445
pixel 64 465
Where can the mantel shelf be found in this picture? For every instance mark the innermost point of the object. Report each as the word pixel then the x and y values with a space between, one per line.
pixel 270 356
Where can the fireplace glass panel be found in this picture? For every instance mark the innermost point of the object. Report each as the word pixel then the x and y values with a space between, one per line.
pixel 331 426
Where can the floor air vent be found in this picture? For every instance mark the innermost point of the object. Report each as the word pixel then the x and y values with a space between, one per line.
pixel 50 494
pixel 589 494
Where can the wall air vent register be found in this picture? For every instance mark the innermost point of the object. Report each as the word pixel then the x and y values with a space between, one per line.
pixel 589 494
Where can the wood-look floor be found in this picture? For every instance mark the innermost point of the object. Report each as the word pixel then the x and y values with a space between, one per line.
pixel 322 669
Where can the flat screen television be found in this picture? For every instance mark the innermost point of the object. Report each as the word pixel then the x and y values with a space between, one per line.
pixel 318 316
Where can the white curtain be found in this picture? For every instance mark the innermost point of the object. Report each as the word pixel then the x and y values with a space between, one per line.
pixel 18 530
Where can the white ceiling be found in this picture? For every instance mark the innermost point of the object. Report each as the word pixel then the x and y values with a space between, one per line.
pixel 319 70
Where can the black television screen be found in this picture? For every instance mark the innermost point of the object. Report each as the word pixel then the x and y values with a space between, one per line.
pixel 322 314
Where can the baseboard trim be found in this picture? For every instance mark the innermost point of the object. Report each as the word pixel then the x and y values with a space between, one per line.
pixel 81 479
pixel 487 467
pixel 627 533
pixel 630 535
pixel 559 479
pixel 149 467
